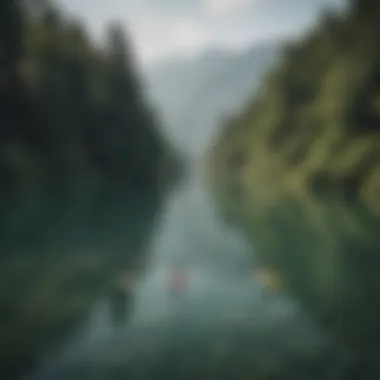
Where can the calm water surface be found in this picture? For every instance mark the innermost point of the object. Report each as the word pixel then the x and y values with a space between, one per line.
pixel 221 298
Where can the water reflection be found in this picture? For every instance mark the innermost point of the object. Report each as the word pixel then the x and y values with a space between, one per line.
pixel 121 297
pixel 220 324
pixel 58 262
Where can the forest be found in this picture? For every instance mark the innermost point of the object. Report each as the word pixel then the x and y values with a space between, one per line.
pixel 299 172
pixel 84 167
pixel 73 117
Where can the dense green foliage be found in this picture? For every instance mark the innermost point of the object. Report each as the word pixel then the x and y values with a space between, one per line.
pixel 82 169
pixel 300 171
pixel 72 116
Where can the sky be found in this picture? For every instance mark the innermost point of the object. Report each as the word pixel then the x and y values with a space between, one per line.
pixel 170 28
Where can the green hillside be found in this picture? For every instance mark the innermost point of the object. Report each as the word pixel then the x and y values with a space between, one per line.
pixel 83 171
pixel 299 171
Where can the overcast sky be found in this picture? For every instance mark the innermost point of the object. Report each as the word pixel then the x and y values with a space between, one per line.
pixel 163 28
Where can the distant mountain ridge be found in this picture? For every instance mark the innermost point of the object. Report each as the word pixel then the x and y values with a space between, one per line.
pixel 193 94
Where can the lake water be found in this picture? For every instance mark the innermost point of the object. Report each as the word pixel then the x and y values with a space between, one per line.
pixel 222 301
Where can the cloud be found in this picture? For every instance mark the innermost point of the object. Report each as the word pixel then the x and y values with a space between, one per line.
pixel 173 6
pixel 188 34
pixel 162 28
pixel 185 36
pixel 225 7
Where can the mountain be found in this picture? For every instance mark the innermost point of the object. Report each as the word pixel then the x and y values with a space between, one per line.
pixel 83 165
pixel 299 171
pixel 194 93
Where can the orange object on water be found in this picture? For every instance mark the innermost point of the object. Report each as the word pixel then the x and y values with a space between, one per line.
pixel 178 281
pixel 269 279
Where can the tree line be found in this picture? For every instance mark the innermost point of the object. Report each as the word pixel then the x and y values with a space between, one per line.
pixel 72 115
